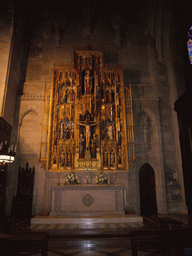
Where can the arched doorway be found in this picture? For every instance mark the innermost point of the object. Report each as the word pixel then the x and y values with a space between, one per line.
pixel 147 191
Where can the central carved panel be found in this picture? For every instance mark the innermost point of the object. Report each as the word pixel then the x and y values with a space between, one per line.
pixel 88 200
pixel 87 123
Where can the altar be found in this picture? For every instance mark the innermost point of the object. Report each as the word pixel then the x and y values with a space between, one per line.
pixel 87 198
pixel 87 127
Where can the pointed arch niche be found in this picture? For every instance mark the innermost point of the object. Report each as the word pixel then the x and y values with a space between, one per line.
pixel 29 136
pixel 148 202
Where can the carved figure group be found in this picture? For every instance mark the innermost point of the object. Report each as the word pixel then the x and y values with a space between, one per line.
pixel 109 96
pixel 68 96
pixel 87 132
pixel 66 130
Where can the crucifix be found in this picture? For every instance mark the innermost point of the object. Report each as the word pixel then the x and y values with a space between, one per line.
pixel 88 125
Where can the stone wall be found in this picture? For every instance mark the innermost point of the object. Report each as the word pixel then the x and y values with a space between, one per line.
pixel 6 30
pixel 155 139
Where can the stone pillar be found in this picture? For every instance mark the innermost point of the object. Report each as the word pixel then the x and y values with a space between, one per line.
pixel 155 84
pixel 181 207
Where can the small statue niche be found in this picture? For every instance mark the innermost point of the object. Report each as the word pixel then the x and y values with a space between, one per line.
pixel 61 130
pixel 112 159
pixel 87 81
pixel 69 159
pixel 94 144
pixel 54 160
pixel 146 130
pixel 62 159
pixel 105 159
pixel 81 146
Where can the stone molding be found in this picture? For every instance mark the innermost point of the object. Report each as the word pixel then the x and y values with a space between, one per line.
pixel 32 97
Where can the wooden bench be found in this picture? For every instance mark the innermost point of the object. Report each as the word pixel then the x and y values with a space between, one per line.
pixel 162 223
pixel 166 223
pixel 170 243
pixel 11 244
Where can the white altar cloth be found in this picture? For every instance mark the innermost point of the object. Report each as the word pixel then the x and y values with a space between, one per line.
pixel 87 198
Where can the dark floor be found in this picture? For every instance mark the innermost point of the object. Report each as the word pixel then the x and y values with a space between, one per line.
pixel 105 240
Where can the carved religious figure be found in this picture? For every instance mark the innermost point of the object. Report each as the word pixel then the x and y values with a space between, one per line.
pixel 55 138
pixel 117 87
pixel 118 111
pixel 61 130
pixel 63 85
pixel 105 159
pixel 113 131
pixel 72 131
pixel 146 132
pixel 78 92
pixel 112 159
pixel 87 132
pixel 69 158
pixel 88 82
pixel 57 110
pixel 119 138
pixel 94 144
pixel 65 132
pixel 110 131
pixel 65 97
pixel 62 161
pixel 58 85
pixel 72 96
pixel 81 146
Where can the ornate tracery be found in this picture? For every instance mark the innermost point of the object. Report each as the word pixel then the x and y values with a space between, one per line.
pixel 88 115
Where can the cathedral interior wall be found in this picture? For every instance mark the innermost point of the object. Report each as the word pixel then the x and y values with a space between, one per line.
pixel 152 114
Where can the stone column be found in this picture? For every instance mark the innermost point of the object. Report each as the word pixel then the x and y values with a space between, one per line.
pixel 173 97
pixel 155 84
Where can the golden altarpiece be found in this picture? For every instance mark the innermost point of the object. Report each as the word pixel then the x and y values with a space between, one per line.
pixel 87 120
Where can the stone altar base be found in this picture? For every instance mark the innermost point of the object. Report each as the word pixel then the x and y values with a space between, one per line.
pixel 85 219
pixel 87 198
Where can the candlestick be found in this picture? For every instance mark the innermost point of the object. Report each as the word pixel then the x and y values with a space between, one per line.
pixel 115 177
pixel 87 175
pixel 59 176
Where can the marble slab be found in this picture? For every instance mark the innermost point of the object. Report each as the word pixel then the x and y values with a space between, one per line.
pixel 89 198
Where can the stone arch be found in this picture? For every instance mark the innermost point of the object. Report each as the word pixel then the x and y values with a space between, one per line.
pixel 26 111
pixel 154 156
pixel 30 132
pixel 149 114
pixel 148 202
pixel 31 111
